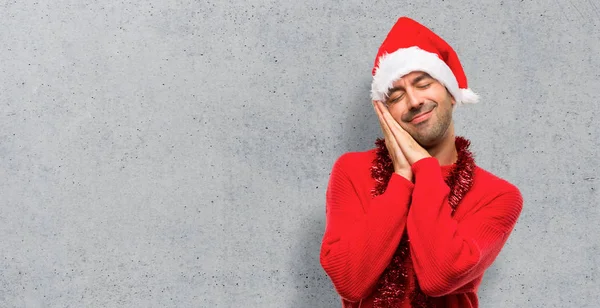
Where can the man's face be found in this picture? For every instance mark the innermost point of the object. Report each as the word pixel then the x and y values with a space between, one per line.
pixel 422 106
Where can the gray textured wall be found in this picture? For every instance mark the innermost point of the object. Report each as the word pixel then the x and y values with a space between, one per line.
pixel 176 153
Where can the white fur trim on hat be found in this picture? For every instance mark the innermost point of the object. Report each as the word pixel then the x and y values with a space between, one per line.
pixel 406 60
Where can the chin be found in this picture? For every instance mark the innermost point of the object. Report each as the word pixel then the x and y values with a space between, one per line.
pixel 427 143
pixel 423 141
pixel 432 136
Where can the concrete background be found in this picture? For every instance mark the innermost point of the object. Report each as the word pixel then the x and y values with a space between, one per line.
pixel 176 153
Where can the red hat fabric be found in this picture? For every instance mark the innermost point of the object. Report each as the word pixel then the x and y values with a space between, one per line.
pixel 409 47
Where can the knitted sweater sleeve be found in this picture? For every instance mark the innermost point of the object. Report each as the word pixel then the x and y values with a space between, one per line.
pixel 358 244
pixel 447 254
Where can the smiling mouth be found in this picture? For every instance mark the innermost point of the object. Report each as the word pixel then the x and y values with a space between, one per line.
pixel 421 117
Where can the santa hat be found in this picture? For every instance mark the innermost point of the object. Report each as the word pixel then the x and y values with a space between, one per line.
pixel 411 47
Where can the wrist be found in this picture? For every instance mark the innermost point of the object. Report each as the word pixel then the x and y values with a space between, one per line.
pixel 407 174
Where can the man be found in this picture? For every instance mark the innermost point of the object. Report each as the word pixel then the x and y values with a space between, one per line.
pixel 414 222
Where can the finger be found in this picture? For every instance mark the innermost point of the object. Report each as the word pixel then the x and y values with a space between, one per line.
pixel 394 147
pixel 384 127
pixel 402 137
pixel 394 126
pixel 385 114
pixel 380 109
pixel 390 141
pixel 388 120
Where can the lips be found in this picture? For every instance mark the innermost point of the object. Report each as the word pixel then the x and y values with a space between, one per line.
pixel 421 117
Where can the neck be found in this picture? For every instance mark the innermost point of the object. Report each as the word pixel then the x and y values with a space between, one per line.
pixel 445 151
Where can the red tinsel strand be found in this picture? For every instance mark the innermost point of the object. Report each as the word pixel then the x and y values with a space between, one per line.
pixel 382 168
pixel 391 287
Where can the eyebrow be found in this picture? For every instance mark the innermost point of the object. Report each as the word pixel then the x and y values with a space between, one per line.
pixel 415 81
pixel 420 77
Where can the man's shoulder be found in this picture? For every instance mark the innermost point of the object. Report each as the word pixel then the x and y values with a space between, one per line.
pixel 502 199
pixel 356 159
pixel 361 157
pixel 493 183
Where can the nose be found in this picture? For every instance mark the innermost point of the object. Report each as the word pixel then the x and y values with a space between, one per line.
pixel 414 101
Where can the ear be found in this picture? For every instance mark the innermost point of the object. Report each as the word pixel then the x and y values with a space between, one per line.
pixel 451 97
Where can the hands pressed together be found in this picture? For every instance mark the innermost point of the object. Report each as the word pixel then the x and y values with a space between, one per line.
pixel 404 150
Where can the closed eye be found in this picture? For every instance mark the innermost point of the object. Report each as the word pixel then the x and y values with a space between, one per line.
pixel 395 98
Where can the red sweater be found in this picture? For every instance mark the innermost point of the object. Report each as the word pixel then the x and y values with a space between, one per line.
pixel 449 253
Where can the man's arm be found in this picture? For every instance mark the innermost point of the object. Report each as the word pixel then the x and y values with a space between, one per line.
pixel 358 245
pixel 448 254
